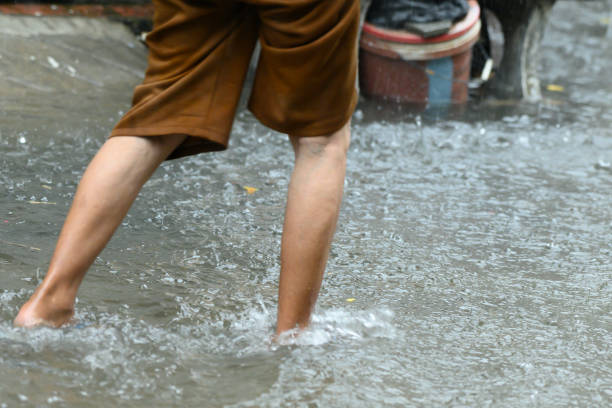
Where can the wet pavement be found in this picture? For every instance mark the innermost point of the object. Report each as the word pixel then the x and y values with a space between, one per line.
pixel 471 266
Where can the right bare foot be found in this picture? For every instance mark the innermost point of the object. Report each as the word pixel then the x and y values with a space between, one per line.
pixel 43 310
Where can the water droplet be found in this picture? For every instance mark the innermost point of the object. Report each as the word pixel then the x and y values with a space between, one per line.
pixel 358 115
pixel 53 62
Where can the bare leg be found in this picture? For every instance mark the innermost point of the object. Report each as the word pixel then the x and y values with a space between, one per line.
pixel 313 204
pixel 106 192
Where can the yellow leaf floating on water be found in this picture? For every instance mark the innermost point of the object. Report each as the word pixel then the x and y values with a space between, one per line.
pixel 350 300
pixel 605 21
pixel 555 88
pixel 46 187
pixel 250 190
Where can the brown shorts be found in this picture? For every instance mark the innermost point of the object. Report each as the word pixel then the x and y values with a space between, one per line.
pixel 199 54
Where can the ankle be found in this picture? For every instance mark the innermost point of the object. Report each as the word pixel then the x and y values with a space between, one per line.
pixel 55 296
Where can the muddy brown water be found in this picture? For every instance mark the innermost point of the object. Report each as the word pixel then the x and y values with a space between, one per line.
pixel 471 266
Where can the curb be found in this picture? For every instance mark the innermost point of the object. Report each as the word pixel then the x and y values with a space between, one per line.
pixel 85 10
pixel 137 17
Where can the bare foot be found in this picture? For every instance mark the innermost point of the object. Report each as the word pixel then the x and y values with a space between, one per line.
pixel 43 310
pixel 287 337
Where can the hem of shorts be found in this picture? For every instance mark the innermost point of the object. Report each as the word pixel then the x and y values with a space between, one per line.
pixel 207 140
pixel 327 127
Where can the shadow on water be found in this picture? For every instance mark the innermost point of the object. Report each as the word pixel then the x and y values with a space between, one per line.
pixel 471 265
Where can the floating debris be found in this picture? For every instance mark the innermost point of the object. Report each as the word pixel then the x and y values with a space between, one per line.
pixel 250 190
pixel 20 245
pixel 555 88
pixel 42 203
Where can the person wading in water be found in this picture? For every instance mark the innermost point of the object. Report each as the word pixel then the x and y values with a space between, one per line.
pixel 199 53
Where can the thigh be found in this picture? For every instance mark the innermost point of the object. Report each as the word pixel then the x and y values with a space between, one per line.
pixel 185 32
pixel 199 53
pixel 305 81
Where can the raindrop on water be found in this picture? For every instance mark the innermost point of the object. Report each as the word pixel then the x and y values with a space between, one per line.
pixel 358 115
pixel 53 62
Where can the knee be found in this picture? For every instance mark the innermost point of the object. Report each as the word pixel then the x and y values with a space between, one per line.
pixel 341 139
pixel 334 145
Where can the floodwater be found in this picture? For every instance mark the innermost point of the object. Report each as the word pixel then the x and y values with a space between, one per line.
pixel 471 266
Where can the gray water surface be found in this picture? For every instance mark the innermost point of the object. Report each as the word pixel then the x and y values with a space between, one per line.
pixel 471 266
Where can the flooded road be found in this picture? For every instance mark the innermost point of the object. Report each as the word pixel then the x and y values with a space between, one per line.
pixel 471 266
